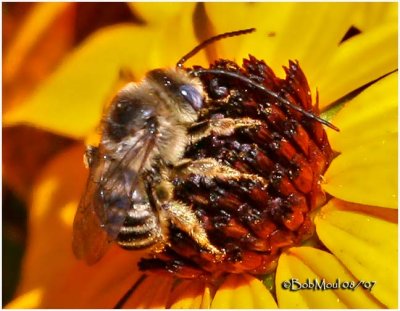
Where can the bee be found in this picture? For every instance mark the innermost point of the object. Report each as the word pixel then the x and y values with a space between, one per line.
pixel 129 196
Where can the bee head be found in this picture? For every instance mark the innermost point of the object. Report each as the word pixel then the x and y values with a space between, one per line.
pixel 182 94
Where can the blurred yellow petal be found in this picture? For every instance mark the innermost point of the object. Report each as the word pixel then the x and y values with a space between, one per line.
pixel 241 291
pixel 190 294
pixel 365 244
pixel 358 61
pixel 206 301
pixel 161 13
pixel 69 103
pixel 153 293
pixel 366 170
pixel 35 25
pixel 306 263
pixel 59 184
pixel 30 300
pixel 173 44
pixel 168 18
pixel 87 288
pixel 21 168
pixel 284 34
pixel 49 263
pixel 36 48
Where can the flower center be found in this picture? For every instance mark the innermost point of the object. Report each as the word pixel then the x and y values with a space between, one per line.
pixel 251 222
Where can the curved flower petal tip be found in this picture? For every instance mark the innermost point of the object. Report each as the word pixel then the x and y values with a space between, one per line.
pixel 301 271
pixel 365 243
pixel 366 170
pixel 190 294
pixel 243 292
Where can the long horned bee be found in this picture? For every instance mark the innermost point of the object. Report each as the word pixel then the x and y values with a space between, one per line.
pixel 129 193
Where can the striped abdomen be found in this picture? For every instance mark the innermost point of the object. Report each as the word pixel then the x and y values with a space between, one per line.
pixel 140 229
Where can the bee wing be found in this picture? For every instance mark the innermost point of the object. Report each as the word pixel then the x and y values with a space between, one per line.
pixel 89 241
pixel 97 222
pixel 122 179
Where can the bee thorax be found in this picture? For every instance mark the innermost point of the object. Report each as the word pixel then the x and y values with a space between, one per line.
pixel 172 141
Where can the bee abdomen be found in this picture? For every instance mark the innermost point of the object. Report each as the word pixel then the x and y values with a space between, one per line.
pixel 140 229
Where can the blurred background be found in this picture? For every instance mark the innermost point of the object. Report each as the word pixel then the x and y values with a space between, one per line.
pixel 36 38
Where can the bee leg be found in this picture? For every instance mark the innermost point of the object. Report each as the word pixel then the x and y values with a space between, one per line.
pixel 211 168
pixel 182 216
pixel 220 127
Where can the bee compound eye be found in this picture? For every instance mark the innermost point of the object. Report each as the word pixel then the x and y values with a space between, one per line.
pixel 192 96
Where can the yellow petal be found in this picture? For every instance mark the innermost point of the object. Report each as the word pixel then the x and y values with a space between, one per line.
pixel 70 102
pixel 173 44
pixel 360 120
pixel 37 22
pixel 306 265
pixel 190 294
pixel 375 14
pixel 161 13
pixel 167 18
pixel 206 301
pixel 308 32
pixel 311 35
pixel 242 292
pixel 366 170
pixel 367 174
pixel 38 43
pixel 358 61
pixel 241 16
pixel 365 244
pixel 30 300
pixel 57 189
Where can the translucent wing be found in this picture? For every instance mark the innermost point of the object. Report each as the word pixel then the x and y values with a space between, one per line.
pixel 114 177
pixel 90 241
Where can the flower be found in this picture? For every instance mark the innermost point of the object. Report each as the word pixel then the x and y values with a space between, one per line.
pixel 358 226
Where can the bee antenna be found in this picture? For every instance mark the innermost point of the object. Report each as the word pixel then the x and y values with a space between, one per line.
pixel 284 101
pixel 202 45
